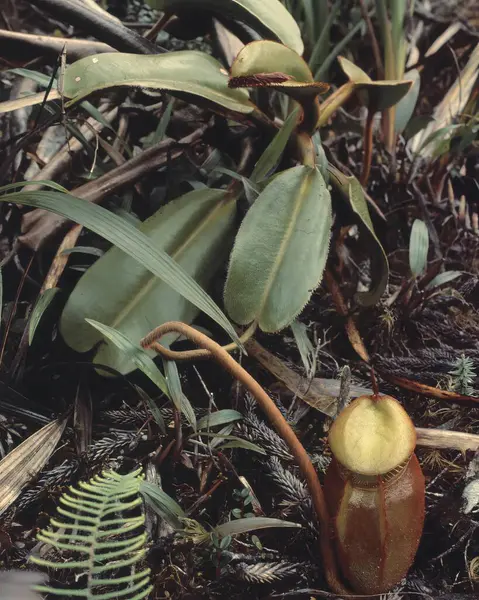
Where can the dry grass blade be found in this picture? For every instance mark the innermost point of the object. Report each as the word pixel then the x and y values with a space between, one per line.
pixel 319 393
pixel 23 463
pixel 30 100
pixel 450 107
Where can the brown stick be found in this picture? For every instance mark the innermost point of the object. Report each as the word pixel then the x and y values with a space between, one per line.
pixel 449 440
pixel 278 422
pixel 19 47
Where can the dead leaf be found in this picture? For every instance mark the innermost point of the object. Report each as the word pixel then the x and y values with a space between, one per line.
pixel 321 394
pixel 24 463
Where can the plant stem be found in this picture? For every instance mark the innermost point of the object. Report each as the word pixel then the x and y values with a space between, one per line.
pixel 368 148
pixel 203 353
pixel 279 423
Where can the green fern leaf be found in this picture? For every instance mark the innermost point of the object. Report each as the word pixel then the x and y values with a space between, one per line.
pixel 96 533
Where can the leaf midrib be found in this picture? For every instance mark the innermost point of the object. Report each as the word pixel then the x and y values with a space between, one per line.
pixel 284 242
pixel 152 279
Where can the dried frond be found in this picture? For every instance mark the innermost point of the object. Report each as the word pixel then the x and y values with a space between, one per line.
pixel 114 445
pixel 255 430
pixel 264 572
pixel 131 416
pixel 296 494
pixel 56 477
pixel 294 489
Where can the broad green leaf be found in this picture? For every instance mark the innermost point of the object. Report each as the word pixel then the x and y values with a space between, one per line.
pixel 377 95
pixel 195 231
pixel 350 190
pixel 187 71
pixel 128 239
pixel 40 307
pixel 280 250
pixel 270 157
pixel 418 248
pixel 220 417
pixel 405 107
pixel 162 504
pixel 251 524
pixel 181 402
pixel 137 356
pixel 267 17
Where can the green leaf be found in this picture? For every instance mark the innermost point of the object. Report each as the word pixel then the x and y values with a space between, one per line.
pixel 442 279
pixel 322 71
pixel 220 417
pixel 270 157
pixel 350 190
pixel 160 132
pixel 162 504
pixel 126 237
pixel 322 41
pixel 418 248
pixel 405 107
pixel 141 360
pixel 377 95
pixel 181 402
pixel 244 444
pixel 41 306
pixel 280 250
pixel 251 524
pixel 195 231
pixel 268 17
pixel 184 71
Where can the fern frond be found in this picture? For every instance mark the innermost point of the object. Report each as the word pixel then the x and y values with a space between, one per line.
pixel 98 535
pixel 266 572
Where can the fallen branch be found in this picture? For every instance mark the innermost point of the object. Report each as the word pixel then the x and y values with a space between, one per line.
pixel 447 440
pixel 103 26
pixel 20 48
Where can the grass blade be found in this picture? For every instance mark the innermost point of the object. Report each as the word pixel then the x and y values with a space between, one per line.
pixel 126 237
pixel 40 307
pixel 418 248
